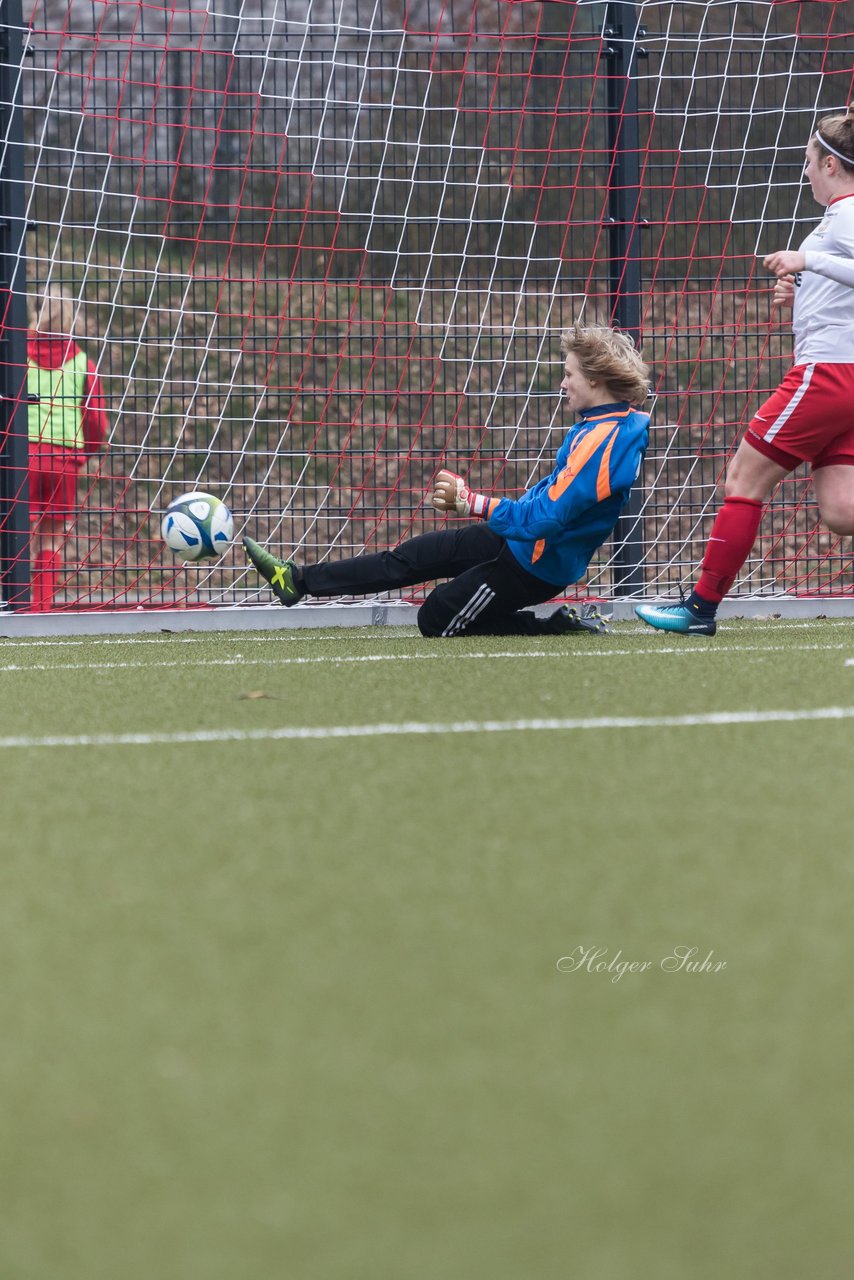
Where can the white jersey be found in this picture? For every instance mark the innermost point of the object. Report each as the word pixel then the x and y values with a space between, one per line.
pixel 823 315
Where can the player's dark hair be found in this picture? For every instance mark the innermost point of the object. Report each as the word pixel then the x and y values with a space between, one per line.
pixel 835 136
pixel 610 357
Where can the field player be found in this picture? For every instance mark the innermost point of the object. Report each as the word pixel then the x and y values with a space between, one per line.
pixel 520 552
pixel 810 417
pixel 67 423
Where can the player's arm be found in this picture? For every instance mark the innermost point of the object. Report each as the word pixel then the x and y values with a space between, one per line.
pixel 838 267
pixel 452 496
pixel 604 460
pixel 591 473
pixel 791 262
pixel 832 266
pixel 530 517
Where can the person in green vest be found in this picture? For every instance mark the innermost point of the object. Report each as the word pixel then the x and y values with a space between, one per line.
pixel 67 422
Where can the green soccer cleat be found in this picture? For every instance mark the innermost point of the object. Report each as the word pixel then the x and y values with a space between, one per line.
pixel 570 618
pixel 675 617
pixel 279 573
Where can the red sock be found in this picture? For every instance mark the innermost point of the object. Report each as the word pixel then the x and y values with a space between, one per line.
pixel 45 574
pixel 733 534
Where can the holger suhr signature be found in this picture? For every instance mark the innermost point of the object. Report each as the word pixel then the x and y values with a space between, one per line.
pixel 599 960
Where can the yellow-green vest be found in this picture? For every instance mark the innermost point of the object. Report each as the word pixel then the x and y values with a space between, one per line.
pixel 58 416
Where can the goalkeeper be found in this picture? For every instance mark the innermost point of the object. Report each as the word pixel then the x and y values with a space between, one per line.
pixel 518 552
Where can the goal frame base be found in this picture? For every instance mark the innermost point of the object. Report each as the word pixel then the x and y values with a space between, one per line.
pixel 311 617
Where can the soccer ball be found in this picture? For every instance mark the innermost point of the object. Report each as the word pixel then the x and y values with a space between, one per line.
pixel 197 526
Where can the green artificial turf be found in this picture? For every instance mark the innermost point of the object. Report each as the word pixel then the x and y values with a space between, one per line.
pixel 301 1008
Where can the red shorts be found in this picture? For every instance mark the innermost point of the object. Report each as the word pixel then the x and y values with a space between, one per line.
pixel 53 480
pixel 809 418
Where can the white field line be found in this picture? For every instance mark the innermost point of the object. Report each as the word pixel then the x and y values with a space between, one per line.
pixel 686 649
pixel 423 728
pixel 373 635
pixel 221 637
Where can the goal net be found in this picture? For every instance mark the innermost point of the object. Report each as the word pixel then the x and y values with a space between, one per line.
pixel 318 250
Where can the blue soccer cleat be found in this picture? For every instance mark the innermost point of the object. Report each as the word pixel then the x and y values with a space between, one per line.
pixel 675 617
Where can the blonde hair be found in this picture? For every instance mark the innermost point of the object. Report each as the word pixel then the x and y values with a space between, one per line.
pixel 605 355
pixel 835 136
pixel 52 312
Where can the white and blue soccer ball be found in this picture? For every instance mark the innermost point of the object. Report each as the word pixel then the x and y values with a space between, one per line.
pixel 198 526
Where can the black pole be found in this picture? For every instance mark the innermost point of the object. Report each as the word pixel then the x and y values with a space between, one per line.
pixel 14 502
pixel 624 192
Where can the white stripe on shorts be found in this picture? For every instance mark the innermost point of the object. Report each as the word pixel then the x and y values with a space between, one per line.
pixel 481 598
pixel 790 408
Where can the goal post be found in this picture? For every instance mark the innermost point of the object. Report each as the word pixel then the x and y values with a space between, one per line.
pixel 317 253
pixel 14 504
pixel 623 33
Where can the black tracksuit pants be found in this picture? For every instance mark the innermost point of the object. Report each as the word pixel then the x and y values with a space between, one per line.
pixel 487 589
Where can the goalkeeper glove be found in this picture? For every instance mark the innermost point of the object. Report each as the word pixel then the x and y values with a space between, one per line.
pixel 451 493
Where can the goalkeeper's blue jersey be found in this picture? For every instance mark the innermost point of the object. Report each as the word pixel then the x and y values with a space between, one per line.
pixel 554 529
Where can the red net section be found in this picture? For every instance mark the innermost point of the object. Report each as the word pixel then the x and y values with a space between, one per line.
pixel 314 259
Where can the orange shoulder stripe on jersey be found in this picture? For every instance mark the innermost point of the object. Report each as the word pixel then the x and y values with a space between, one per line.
pixel 581 454
pixel 603 480
pixel 618 413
